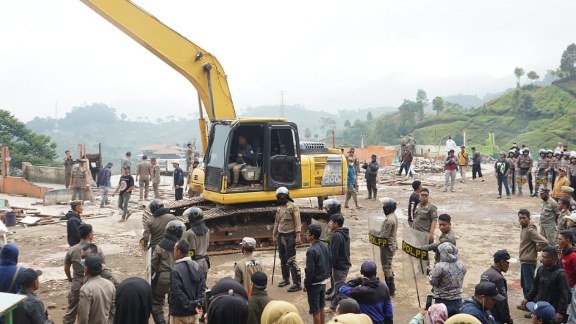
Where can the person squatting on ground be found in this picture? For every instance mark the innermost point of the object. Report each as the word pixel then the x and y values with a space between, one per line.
pixel 501 310
pixel 548 216
pixel 485 297
pixel 388 231
pixel 447 277
pixel 501 171
pixel 186 294
pixel 371 294
pixel 317 272
pixel 259 297
pixel 96 304
pixel 161 264
pixel 450 169
pixel 247 265
pixel 155 225
pixel 286 234
pixel 73 222
pixel 414 200
pixel 104 182
pixel 551 285
pixel 531 242
pixel 463 161
pixel 371 175
pixel 73 259
pixel 198 236
pixel 476 164
pixel 155 177
pixel 524 165
pixel 143 177
pixel 31 310
pixel 352 184
pixel 177 181
pixel 125 187
pixel 339 255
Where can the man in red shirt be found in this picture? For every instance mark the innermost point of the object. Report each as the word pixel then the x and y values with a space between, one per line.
pixel 568 254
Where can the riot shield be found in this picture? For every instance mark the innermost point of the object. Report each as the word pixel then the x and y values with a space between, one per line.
pixel 415 262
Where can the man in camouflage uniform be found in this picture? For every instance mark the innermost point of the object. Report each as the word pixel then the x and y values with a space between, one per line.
pixel 548 216
pixel 286 234
pixel 388 231
pixel 523 169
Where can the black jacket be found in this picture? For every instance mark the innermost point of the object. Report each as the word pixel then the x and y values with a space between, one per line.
pixel 317 263
pixel 551 285
pixel 501 310
pixel 73 227
pixel 186 282
pixel 340 249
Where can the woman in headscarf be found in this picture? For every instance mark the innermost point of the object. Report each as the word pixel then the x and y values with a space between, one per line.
pixel 133 301
pixel 436 314
pixel 228 303
pixel 280 312
pixel 351 318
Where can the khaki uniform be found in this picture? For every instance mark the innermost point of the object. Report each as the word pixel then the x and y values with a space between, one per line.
pixel 155 177
pixel 161 263
pixel 388 231
pixel 286 225
pixel 143 174
pixel 424 216
pixel 79 180
pixel 548 215
pixel 97 301
pixel 244 269
pixel 198 248
pixel 74 258
pixel 155 228
pixel 68 163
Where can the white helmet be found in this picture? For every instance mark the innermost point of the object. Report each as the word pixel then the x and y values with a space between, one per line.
pixel 282 190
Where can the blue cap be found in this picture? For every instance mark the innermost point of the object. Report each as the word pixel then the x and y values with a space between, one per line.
pixel 368 268
pixel 543 310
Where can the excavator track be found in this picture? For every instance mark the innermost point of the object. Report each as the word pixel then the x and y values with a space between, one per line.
pixel 228 224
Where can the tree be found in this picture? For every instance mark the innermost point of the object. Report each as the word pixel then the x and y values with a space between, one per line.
pixel 422 101
pixel 369 116
pixel 327 124
pixel 518 72
pixel 406 113
pixel 533 76
pixel 526 104
pixel 347 123
pixel 568 61
pixel 24 145
pixel 438 105
pixel 123 116
pixel 307 133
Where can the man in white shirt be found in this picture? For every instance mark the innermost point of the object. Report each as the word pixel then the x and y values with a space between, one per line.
pixel 450 144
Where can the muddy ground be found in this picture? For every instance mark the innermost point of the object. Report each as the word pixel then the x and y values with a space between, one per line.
pixel 482 223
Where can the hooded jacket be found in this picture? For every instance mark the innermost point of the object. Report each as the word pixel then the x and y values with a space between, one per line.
pixel 551 285
pixel 471 307
pixel 372 296
pixel 9 259
pixel 448 275
pixel 73 227
pixel 155 227
pixel 340 249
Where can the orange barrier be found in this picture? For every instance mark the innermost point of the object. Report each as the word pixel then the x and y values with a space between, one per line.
pixel 19 186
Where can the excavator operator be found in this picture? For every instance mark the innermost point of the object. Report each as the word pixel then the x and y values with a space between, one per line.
pixel 245 156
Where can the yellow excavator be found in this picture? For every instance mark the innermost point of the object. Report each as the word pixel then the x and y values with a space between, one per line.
pixel 277 157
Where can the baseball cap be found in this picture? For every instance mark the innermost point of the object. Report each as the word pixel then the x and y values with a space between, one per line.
pixel 175 162
pixel 489 289
pixel 94 263
pixel 567 189
pixel 543 310
pixel 368 268
pixel 259 279
pixel 248 242
pixel 28 275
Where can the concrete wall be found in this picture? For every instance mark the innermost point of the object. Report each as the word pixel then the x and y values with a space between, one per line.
pixel 19 186
pixel 42 174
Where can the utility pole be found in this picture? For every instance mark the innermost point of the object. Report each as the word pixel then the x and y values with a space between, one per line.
pixel 362 140
pixel 282 103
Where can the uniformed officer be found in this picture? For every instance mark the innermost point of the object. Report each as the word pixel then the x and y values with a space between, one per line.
pixel 388 231
pixel 572 172
pixel 512 159
pixel 332 207
pixel 548 216
pixel 198 236
pixel 567 193
pixel 162 262
pixel 248 265
pixel 425 216
pixel 155 226
pixel 523 170
pixel 286 234
pixel 542 169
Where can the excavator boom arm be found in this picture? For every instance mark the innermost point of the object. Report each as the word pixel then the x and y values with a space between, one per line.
pixel 193 62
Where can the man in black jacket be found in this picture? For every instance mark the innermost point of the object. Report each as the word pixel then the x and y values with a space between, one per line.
pixel 339 255
pixel 74 221
pixel 186 286
pixel 317 273
pixel 551 284
pixel 501 310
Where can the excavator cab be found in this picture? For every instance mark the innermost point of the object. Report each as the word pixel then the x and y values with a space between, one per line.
pixel 272 161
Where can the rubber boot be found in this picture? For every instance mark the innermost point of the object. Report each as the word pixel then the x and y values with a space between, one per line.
pixel 391 286
pixel 375 191
pixel 158 318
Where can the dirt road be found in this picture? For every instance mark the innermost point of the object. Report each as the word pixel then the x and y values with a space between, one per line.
pixel 482 223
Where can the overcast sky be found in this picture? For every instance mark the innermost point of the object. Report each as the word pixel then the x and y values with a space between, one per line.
pixel 325 55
